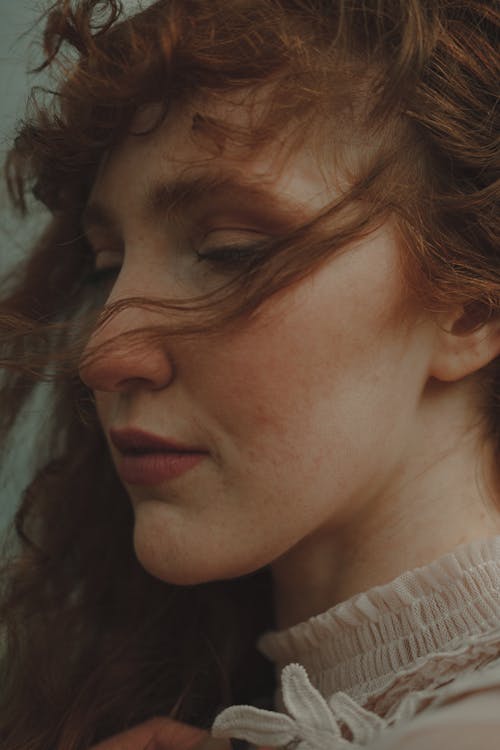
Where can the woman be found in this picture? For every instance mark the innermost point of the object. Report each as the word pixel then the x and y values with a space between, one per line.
pixel 272 270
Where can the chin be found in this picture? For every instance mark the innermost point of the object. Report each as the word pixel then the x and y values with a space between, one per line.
pixel 184 555
pixel 186 570
pixel 176 576
pixel 170 568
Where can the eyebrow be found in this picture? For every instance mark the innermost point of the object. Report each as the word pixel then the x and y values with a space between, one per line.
pixel 170 198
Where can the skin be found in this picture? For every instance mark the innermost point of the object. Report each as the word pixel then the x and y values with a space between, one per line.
pixel 342 425
pixel 162 734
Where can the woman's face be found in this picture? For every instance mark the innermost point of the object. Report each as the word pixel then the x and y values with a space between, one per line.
pixel 306 414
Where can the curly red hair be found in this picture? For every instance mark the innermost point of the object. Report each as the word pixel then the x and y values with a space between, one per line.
pixel 94 645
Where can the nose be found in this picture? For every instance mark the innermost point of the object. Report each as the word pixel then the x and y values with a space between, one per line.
pixel 126 363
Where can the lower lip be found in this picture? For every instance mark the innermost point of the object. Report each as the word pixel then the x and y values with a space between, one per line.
pixel 154 468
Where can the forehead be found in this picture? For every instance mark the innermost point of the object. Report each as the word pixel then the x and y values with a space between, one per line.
pixel 183 148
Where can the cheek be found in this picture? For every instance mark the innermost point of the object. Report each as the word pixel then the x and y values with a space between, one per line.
pixel 277 400
pixel 314 376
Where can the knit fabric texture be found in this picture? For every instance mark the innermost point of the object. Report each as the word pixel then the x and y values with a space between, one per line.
pixel 400 656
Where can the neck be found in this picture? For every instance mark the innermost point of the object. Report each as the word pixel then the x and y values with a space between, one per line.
pixel 444 495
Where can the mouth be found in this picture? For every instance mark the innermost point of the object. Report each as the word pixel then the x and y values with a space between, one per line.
pixel 152 452
pixel 147 459
pixel 136 442
pixel 151 469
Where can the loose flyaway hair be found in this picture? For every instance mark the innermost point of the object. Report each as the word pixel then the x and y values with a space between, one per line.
pixel 400 97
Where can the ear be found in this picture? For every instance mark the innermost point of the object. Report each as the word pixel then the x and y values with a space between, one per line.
pixel 468 339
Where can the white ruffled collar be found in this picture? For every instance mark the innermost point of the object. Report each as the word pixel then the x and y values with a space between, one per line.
pixel 379 657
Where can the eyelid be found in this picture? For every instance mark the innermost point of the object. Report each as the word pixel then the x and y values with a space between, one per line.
pixel 236 234
pixel 232 235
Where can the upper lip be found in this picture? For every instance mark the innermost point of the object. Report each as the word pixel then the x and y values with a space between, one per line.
pixel 133 440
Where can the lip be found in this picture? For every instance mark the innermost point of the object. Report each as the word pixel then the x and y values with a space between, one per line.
pixel 132 441
pixel 154 468
pixel 147 459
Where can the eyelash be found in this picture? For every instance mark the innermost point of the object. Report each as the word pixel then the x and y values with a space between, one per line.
pixel 230 255
pixel 226 257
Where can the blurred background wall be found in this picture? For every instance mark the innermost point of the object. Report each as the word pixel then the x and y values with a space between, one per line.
pixel 19 50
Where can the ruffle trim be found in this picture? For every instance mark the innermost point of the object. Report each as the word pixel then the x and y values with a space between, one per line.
pixel 451 602
pixel 479 560
pixel 315 723
pixel 312 723
pixel 451 609
pixel 432 673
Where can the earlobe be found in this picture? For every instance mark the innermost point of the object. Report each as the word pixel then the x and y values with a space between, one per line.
pixel 467 340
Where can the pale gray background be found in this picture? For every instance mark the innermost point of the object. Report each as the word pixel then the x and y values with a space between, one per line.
pixel 18 51
pixel 20 38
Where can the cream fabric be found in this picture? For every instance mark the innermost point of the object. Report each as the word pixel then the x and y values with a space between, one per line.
pixel 410 665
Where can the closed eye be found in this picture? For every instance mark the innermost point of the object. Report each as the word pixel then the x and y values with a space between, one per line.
pixel 216 249
pixel 231 255
pixel 228 248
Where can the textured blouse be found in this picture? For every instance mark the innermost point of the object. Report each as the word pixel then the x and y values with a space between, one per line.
pixel 410 665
